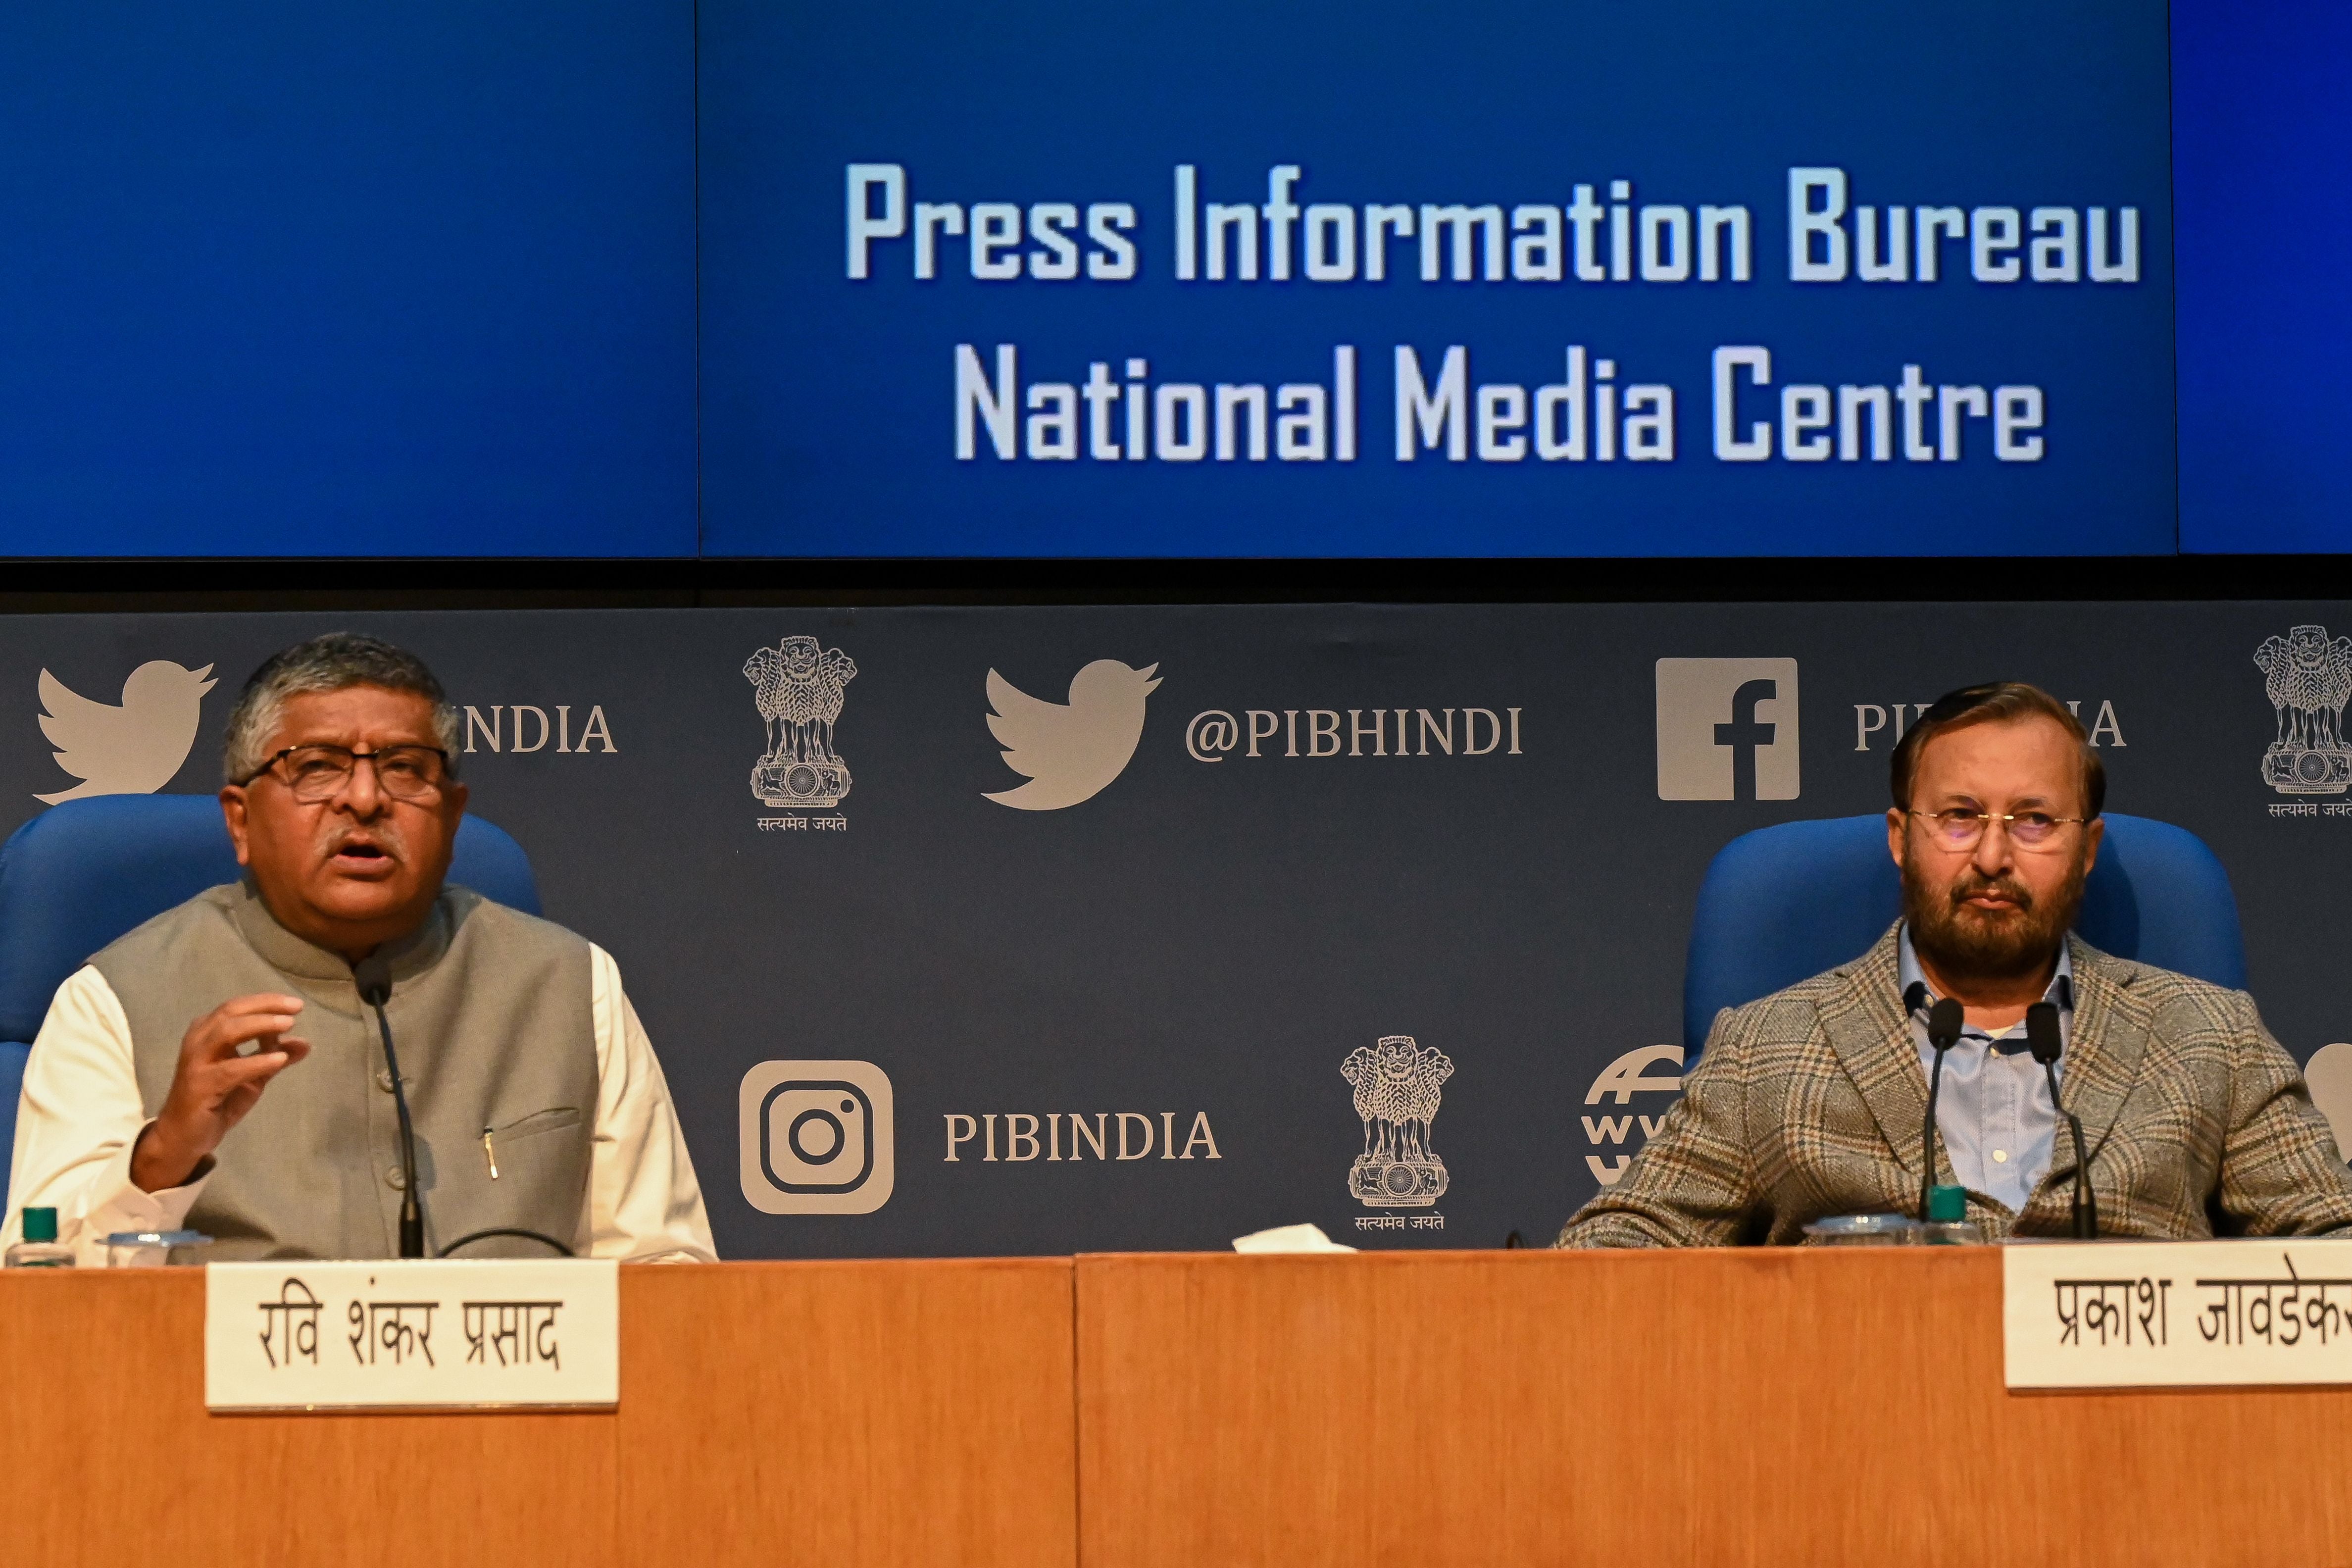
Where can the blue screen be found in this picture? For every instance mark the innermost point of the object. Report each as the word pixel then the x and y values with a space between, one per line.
pixel 278 281
pixel 2261 147
pixel 290 278
pixel 881 414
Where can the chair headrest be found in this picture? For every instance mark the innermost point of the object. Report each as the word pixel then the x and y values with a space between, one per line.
pixel 1784 903
pixel 82 873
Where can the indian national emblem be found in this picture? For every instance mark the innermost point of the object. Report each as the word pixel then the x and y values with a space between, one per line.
pixel 2309 680
pixel 1397 1085
pixel 799 690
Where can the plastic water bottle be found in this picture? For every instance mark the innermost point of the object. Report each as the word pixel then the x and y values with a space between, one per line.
pixel 1862 1230
pixel 41 1248
pixel 1948 1220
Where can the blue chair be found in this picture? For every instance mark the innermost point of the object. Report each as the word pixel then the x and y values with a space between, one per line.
pixel 1784 903
pixel 84 872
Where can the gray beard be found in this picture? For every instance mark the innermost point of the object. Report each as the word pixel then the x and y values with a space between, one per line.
pixel 1964 944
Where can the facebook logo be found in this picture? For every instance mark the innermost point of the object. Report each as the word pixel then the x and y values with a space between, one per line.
pixel 1726 728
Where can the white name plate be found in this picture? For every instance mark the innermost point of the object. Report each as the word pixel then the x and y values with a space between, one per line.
pixel 482 1335
pixel 2162 1314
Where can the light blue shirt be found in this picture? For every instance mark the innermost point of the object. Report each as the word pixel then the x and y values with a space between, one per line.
pixel 1994 1109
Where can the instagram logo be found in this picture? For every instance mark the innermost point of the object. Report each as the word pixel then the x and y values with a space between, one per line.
pixel 816 1137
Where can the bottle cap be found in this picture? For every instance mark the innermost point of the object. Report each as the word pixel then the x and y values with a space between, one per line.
pixel 1946 1204
pixel 41 1225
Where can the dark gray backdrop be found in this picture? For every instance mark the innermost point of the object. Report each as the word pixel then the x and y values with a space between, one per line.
pixel 1217 937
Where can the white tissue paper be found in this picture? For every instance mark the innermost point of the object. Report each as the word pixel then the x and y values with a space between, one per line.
pixel 1288 1239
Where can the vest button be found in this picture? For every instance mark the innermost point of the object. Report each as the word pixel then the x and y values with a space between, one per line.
pixel 383 1080
pixel 394 1177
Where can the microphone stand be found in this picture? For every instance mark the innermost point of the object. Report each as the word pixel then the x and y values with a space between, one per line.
pixel 372 977
pixel 2044 1039
pixel 1944 1022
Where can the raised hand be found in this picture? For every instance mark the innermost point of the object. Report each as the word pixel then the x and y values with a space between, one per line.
pixel 213 1087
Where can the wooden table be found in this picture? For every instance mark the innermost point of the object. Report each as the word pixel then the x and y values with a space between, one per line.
pixel 1211 1411
pixel 1703 1407
pixel 842 1414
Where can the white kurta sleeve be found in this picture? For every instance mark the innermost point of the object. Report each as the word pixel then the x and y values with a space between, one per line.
pixel 76 1123
pixel 644 1203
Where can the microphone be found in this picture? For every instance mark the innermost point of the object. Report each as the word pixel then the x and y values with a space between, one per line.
pixel 372 977
pixel 2042 1038
pixel 1944 1020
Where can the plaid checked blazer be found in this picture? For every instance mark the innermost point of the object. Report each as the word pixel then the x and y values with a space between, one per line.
pixel 1810 1102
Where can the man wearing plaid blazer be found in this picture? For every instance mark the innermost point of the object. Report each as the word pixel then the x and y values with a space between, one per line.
pixel 1811 1101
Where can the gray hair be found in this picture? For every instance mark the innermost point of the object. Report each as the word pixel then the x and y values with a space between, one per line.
pixel 331 663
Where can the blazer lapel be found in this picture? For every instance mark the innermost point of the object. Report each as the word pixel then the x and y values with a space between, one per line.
pixel 1873 1041
pixel 2104 1053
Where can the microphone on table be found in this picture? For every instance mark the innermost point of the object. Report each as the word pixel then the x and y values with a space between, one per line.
pixel 373 975
pixel 1944 1021
pixel 2044 1039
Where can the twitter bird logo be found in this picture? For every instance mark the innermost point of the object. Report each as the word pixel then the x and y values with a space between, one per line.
pixel 133 749
pixel 1069 753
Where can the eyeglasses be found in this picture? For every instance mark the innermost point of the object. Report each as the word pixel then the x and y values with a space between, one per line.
pixel 1962 826
pixel 316 773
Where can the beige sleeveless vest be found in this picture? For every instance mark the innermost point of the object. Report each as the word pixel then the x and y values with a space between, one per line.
pixel 490 1016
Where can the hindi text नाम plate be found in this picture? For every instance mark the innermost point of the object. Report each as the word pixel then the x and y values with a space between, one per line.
pixel 457 1335
pixel 2178 1314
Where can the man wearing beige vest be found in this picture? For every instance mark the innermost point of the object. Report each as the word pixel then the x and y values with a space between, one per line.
pixel 217 1067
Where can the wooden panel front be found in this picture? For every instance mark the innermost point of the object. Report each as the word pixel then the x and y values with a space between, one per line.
pixel 109 1457
pixel 1412 1411
pixel 849 1414
pixel 880 1414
